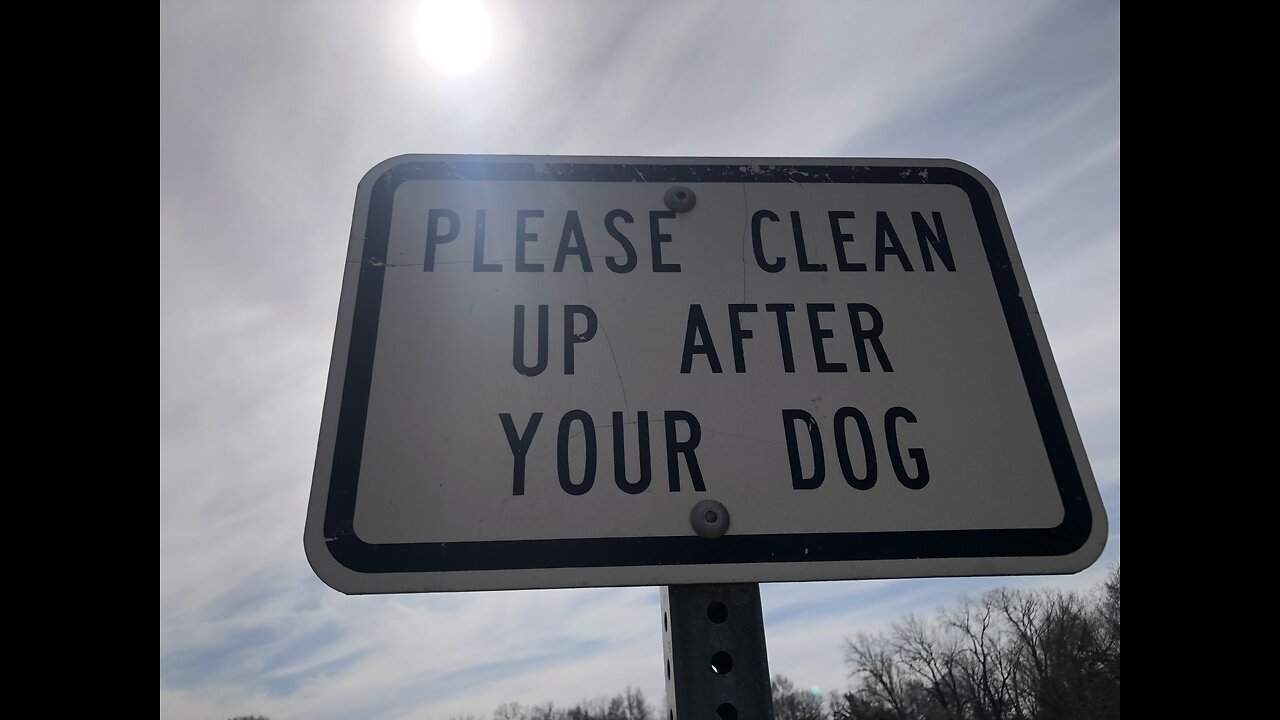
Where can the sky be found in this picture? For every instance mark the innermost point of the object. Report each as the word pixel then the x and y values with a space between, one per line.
pixel 271 112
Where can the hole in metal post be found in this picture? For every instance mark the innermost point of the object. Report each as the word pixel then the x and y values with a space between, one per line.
pixel 727 711
pixel 717 612
pixel 721 663
pixel 668 669
pixel 664 622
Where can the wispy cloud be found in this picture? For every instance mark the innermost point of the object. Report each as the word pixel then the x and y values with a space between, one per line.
pixel 269 115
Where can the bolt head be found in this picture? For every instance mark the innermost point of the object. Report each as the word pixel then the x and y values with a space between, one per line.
pixel 710 519
pixel 680 199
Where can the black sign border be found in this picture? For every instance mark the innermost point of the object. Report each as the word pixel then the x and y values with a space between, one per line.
pixel 357 555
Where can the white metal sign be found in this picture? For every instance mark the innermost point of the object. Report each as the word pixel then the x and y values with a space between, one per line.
pixel 542 364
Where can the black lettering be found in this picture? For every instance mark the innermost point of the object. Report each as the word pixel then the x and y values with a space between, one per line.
pixel 434 237
pixel 619 454
pixel 926 237
pixel 572 336
pixel 524 236
pixel 572 233
pixel 842 238
pixel 819 334
pixel 862 336
pixel 801 255
pixel 895 450
pixel 757 242
pixel 784 333
pixel 517 344
pixel 867 481
pixel 589 437
pixel 611 225
pixel 697 328
pixel 477 259
pixel 657 237
pixel 887 242
pixel 682 447
pixel 519 443
pixel 737 333
pixel 798 481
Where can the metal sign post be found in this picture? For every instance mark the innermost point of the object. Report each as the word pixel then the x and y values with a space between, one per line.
pixel 716 663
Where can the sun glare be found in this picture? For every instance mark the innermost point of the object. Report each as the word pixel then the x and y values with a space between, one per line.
pixel 454 35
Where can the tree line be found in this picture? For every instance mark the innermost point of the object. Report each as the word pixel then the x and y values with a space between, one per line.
pixel 1007 655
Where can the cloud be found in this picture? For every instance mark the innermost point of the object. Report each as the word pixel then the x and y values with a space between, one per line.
pixel 269 115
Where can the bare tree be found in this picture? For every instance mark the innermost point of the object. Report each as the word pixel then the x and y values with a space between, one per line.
pixel 1109 612
pixel 634 705
pixel 933 655
pixel 546 711
pixel 510 711
pixel 985 660
pixel 1009 655
pixel 626 705
pixel 875 659
pixel 792 703
pixel 1063 649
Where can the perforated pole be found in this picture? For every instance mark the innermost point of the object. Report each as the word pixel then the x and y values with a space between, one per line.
pixel 716 664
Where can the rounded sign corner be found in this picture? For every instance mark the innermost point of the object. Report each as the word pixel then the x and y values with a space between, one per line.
pixel 1094 542
pixel 383 169
pixel 327 566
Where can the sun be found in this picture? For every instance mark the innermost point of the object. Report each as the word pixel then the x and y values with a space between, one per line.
pixel 455 36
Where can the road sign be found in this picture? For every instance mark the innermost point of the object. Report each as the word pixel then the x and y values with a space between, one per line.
pixel 543 364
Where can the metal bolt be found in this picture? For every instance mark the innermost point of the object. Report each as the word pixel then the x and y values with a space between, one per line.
pixel 679 198
pixel 710 519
